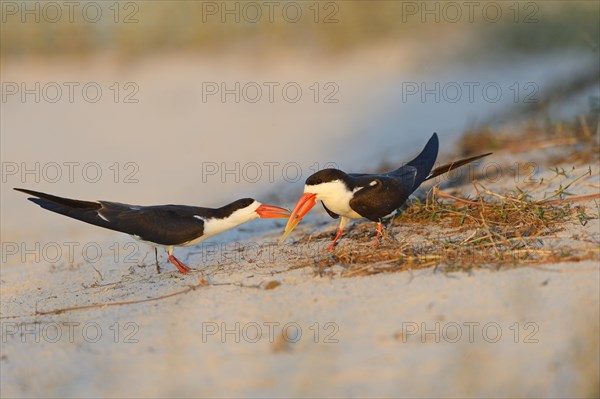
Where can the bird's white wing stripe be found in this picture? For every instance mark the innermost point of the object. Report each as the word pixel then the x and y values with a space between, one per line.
pixel 102 217
pixel 371 184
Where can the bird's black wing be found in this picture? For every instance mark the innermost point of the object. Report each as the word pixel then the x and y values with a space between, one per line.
pixel 163 224
pixel 454 165
pixel 383 194
pixel 423 163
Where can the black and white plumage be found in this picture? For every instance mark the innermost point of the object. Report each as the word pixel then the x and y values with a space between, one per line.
pixel 372 196
pixel 161 225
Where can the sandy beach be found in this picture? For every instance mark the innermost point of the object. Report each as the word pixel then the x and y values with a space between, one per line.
pixel 258 319
pixel 486 285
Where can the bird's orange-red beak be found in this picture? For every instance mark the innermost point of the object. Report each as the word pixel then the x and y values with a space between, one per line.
pixel 271 212
pixel 304 205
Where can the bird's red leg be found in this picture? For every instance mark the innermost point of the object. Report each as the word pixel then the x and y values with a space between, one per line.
pixel 379 234
pixel 338 235
pixel 179 264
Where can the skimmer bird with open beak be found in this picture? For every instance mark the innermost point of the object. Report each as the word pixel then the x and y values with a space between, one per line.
pixel 376 197
pixel 166 226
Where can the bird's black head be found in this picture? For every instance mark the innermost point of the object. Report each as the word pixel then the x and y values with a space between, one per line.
pixel 229 209
pixel 325 176
pixel 241 203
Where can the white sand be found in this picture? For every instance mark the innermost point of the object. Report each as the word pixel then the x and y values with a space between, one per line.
pixel 529 331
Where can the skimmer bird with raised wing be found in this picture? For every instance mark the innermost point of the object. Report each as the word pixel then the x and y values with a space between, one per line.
pixel 376 197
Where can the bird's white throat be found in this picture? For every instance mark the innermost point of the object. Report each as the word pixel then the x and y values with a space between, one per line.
pixel 214 226
pixel 336 197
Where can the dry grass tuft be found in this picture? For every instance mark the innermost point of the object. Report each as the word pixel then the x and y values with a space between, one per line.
pixel 489 231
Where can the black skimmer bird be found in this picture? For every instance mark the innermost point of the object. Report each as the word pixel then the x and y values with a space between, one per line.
pixel 377 197
pixel 167 226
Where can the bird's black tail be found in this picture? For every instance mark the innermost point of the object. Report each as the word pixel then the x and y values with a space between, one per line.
pixel 425 160
pixel 67 202
pixel 453 165
pixel 86 211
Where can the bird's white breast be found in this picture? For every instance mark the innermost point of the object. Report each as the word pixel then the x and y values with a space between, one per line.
pixel 336 197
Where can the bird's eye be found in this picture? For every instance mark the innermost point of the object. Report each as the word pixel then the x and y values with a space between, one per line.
pixel 318 181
